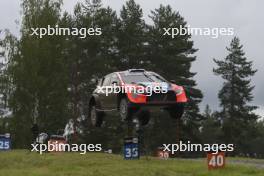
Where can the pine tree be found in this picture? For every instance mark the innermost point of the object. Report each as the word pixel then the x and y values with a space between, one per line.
pixel 210 129
pixel 172 58
pixel 92 57
pixel 236 94
pixel 131 37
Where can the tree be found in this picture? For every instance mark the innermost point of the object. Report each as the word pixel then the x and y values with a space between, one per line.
pixel 52 77
pixel 39 74
pixel 89 58
pixel 211 127
pixel 172 58
pixel 131 37
pixel 7 48
pixel 256 144
pixel 237 115
pixel 99 51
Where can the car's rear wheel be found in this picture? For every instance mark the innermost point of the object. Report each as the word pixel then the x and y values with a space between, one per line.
pixel 176 111
pixel 144 117
pixel 95 116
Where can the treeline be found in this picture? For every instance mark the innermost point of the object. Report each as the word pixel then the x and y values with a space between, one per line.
pixel 49 80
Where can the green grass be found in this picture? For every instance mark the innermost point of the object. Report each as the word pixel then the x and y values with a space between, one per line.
pixel 20 163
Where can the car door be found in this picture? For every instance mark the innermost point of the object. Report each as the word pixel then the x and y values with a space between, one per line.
pixel 113 96
pixel 103 94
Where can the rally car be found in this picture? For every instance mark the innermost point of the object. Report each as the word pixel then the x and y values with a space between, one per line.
pixel 134 93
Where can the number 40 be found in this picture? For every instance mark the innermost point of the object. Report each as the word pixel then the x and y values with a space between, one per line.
pixel 216 160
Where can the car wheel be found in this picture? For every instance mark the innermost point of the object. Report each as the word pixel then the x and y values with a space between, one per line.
pixel 95 117
pixel 176 112
pixel 144 117
pixel 124 110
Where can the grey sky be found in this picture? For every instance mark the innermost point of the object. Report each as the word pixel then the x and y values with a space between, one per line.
pixel 246 17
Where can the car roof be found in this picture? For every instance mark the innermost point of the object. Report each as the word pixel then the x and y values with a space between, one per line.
pixel 133 72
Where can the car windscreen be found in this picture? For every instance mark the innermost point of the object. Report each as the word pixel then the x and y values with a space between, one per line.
pixel 134 78
pixel 157 78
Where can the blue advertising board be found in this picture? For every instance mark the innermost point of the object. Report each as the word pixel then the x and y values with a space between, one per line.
pixel 5 142
pixel 131 148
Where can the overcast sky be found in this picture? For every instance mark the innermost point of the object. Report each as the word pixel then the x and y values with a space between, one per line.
pixel 246 17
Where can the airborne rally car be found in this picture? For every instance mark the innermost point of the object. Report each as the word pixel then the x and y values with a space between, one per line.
pixel 134 93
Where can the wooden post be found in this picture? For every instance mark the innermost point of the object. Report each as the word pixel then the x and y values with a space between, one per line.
pixel 178 134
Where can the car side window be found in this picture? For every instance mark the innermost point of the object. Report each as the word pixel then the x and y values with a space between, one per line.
pixel 99 82
pixel 106 80
pixel 114 78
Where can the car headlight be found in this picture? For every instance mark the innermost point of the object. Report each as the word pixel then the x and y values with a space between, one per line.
pixel 178 91
pixel 134 94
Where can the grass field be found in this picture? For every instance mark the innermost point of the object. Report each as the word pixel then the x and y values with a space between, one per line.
pixel 23 163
